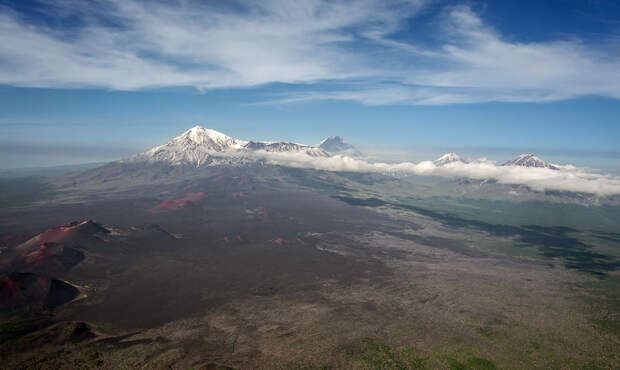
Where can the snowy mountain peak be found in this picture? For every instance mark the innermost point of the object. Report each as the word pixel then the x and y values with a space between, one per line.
pixel 208 139
pixel 448 158
pixel 336 140
pixel 199 133
pixel 335 145
pixel 529 160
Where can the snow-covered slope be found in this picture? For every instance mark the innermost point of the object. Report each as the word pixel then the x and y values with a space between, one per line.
pixel 530 160
pixel 200 146
pixel 195 146
pixel 283 147
pixel 448 158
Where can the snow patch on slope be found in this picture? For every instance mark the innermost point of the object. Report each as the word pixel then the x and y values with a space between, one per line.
pixel 530 160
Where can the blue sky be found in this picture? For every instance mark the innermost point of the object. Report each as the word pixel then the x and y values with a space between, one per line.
pixel 404 78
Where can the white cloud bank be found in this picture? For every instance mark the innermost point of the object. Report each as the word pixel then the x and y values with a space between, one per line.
pixel 346 46
pixel 567 178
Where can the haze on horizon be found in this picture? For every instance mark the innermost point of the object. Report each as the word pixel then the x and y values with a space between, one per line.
pixel 404 80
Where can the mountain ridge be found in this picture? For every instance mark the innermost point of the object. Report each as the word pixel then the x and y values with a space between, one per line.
pixel 199 146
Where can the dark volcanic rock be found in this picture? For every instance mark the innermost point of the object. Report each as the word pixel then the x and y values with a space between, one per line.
pixel 31 292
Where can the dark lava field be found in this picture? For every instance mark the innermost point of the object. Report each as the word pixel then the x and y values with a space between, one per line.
pixel 267 267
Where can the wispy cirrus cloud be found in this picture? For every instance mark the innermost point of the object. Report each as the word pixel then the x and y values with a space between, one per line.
pixel 128 44
pixel 335 50
pixel 473 63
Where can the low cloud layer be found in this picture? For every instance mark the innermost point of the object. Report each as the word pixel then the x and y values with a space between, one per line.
pixel 335 50
pixel 567 178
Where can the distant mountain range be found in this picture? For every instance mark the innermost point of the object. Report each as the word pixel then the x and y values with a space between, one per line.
pixel 195 153
pixel 200 146
pixel 200 153
pixel 523 160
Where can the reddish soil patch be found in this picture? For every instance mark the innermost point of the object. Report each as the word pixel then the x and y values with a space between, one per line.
pixel 10 286
pixel 178 203
pixel 236 238
pixel 56 234
pixel 39 256
pixel 63 233
pixel 52 257
pixel 282 241
pixel 279 241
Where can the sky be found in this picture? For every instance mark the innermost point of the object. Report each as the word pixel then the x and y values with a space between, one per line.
pixel 99 80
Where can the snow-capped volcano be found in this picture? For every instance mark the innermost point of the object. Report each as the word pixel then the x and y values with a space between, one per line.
pixel 335 145
pixel 198 146
pixel 448 158
pixel 530 160
pixel 194 146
